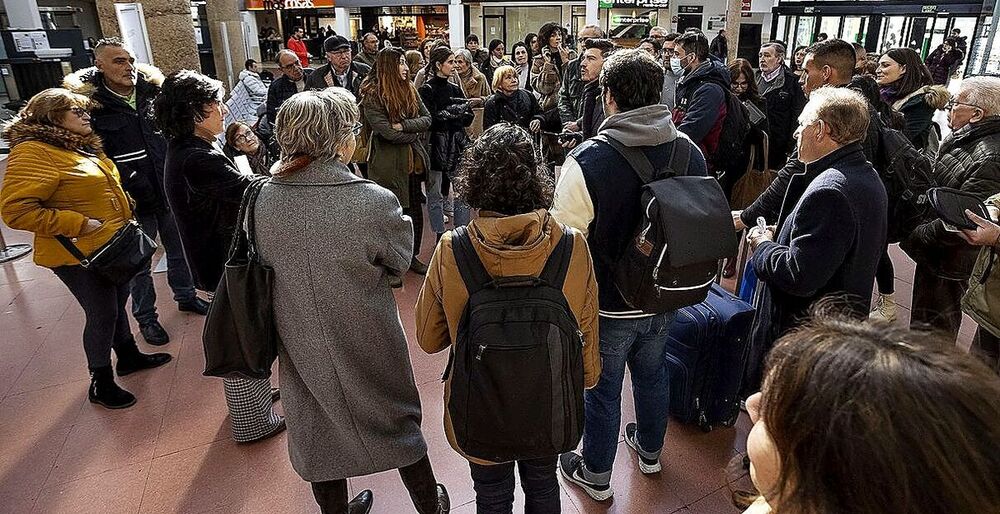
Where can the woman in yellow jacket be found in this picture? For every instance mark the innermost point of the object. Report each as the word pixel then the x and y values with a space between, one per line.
pixel 513 236
pixel 60 183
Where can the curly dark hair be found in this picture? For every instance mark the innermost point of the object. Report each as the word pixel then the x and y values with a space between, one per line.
pixel 183 100
pixel 503 173
pixel 546 32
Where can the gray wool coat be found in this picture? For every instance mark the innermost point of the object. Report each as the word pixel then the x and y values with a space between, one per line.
pixel 347 386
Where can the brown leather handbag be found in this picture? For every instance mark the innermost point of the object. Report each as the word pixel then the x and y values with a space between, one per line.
pixel 754 181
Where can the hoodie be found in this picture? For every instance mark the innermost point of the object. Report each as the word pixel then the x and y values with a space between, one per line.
pixel 599 194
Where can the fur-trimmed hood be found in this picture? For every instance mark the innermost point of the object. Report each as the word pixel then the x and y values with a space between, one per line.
pixel 935 96
pixel 87 80
pixel 20 131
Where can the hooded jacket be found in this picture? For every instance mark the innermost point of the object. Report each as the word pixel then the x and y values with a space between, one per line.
pixel 918 109
pixel 599 194
pixel 55 182
pixel 701 105
pixel 508 246
pixel 941 64
pixel 131 138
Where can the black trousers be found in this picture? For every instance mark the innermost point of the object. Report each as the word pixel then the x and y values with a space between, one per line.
pixel 986 346
pixel 885 275
pixel 936 302
pixel 416 212
pixel 417 477
pixel 494 486
pixel 103 304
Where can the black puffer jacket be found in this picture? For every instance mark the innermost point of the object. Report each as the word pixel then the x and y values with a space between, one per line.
pixel 520 109
pixel 785 101
pixel 450 115
pixel 969 160
pixel 130 136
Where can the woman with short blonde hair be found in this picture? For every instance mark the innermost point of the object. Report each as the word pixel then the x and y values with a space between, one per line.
pixel 336 242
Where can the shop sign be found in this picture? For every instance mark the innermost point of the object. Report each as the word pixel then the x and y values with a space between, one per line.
pixel 690 9
pixel 928 9
pixel 745 5
pixel 625 4
pixel 258 5
pixel 618 19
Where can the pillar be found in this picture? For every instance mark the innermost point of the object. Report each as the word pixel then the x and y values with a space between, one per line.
pixel 23 14
pixel 456 24
pixel 733 19
pixel 169 27
pixel 225 25
pixel 342 22
pixel 593 12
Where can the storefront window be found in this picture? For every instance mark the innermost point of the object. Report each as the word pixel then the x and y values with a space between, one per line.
pixel 804 31
pixel 631 23
pixel 829 25
pixel 782 33
pixel 854 29
pixel 522 20
pixel 892 33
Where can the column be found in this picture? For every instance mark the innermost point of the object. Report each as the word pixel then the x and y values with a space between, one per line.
pixel 225 25
pixel 342 21
pixel 733 19
pixel 593 12
pixel 23 14
pixel 456 23
pixel 169 27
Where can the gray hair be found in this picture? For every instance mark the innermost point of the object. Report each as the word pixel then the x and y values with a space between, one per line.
pixel 277 58
pixel 600 32
pixel 466 55
pixel 316 123
pixel 778 47
pixel 843 110
pixel 983 92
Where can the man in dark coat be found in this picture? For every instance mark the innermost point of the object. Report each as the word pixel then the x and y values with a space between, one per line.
pixel 720 46
pixel 780 89
pixel 830 240
pixel 571 91
pixel 292 80
pixel 969 160
pixel 701 95
pixel 339 70
pixel 124 91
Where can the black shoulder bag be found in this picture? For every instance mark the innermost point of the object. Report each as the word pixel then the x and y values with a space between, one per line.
pixel 121 257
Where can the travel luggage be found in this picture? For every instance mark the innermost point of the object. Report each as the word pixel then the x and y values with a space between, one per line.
pixel 707 349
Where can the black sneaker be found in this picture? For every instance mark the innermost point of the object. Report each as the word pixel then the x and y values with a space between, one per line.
pixel 154 334
pixel 195 305
pixel 647 466
pixel 571 468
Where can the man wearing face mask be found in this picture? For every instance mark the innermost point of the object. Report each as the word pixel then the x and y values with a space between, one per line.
pixel 701 94
pixel 780 89
pixel 969 160
pixel 672 68
pixel 831 229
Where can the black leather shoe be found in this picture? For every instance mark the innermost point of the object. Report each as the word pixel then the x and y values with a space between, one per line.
pixel 444 501
pixel 104 391
pixel 275 394
pixel 195 305
pixel 362 503
pixel 154 334
pixel 128 364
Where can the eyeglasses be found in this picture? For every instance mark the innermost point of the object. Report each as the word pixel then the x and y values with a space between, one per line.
pixel 356 129
pixel 741 85
pixel 244 138
pixel 291 66
pixel 954 102
pixel 79 111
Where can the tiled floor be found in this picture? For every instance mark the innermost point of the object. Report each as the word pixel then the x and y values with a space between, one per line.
pixel 171 452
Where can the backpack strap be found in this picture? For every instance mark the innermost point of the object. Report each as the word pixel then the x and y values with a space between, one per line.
pixel 557 265
pixel 473 272
pixel 677 164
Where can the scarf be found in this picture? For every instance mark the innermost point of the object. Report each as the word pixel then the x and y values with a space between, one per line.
pixel 469 83
pixel 889 94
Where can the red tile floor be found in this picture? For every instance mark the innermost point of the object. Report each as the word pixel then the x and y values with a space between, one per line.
pixel 172 452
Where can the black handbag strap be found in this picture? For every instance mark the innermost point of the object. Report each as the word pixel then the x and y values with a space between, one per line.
pixel 677 164
pixel 245 240
pixel 73 250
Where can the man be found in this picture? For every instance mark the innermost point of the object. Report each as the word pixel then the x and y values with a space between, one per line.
pixel 701 94
pixel 296 45
pixel 595 52
pixel 831 230
pixel 822 37
pixel 599 194
pixel 339 70
pixel 969 160
pixel 659 33
pixel 572 83
pixel 479 56
pixel 672 70
pixel 962 43
pixel 292 80
pixel 124 119
pixel 780 89
pixel 369 49
pixel 720 46
pixel 862 59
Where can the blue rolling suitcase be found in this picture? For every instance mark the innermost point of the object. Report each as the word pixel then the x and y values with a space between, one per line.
pixel 707 350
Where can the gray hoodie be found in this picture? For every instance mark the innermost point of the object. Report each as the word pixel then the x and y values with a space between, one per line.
pixel 646 126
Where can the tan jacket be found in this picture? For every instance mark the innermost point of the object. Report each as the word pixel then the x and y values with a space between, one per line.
pixel 508 246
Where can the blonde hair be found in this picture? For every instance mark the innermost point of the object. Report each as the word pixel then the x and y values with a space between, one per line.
pixel 843 110
pixel 49 107
pixel 316 124
pixel 500 74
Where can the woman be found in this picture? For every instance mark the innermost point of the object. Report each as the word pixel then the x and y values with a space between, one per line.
pixel 943 61
pixel 332 238
pixel 473 82
pixel 905 85
pixel 414 62
pixel 450 116
pixel 522 65
pixel 396 156
pixel 497 58
pixel 241 141
pixel 855 417
pixel 531 42
pixel 426 46
pixel 798 57
pixel 59 183
pixel 511 104
pixel 547 65
pixel 514 236
pixel 744 86
pixel 204 189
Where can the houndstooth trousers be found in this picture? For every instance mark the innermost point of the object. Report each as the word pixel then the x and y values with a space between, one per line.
pixel 250 408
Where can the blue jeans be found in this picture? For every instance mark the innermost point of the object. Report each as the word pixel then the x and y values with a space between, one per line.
pixel 435 204
pixel 178 274
pixel 640 343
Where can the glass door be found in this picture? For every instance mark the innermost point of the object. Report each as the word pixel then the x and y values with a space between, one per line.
pixel 492 28
pixel 829 25
pixel 854 29
pixel 804 31
pixel 892 33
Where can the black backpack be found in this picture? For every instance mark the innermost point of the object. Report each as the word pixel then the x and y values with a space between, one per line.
pixel 686 227
pixel 730 156
pixel 907 174
pixel 517 365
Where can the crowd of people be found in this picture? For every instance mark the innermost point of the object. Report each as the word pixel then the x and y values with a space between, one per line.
pixel 343 157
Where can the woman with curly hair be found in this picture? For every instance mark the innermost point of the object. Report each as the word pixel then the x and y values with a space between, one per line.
pixel 514 235
pixel 397 159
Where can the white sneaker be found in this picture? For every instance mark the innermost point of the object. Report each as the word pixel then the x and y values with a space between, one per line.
pixel 646 466
pixel 884 308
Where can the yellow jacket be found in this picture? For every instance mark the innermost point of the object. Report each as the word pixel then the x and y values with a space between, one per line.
pixel 53 185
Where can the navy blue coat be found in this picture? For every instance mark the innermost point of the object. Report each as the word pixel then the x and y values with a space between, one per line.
pixel 830 235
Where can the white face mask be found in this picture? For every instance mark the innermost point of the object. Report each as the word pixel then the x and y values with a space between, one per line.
pixel 675 66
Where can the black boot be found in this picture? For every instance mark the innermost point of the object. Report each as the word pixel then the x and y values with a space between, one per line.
pixel 130 359
pixel 104 390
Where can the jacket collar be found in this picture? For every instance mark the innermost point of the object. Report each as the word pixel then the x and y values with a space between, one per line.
pixel 972 132
pixel 505 235
pixel 846 156
pixel 320 173
pixel 20 131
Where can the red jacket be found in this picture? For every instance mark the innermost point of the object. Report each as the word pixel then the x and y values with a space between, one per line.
pixel 299 47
